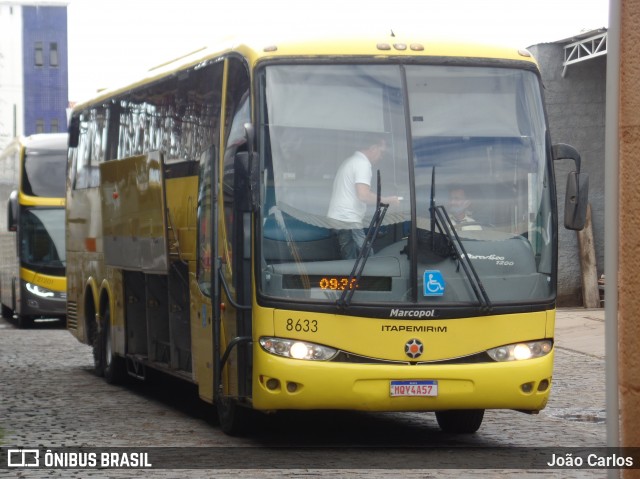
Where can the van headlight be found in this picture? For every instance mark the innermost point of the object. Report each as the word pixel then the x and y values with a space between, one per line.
pixel 296 349
pixel 521 351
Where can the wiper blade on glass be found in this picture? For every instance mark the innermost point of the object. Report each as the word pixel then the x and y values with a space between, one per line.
pixel 441 219
pixel 446 225
pixel 358 266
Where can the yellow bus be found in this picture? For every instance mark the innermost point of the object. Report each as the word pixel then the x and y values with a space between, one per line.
pixel 32 240
pixel 202 243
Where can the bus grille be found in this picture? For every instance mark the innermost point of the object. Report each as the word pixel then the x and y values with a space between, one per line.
pixel 72 315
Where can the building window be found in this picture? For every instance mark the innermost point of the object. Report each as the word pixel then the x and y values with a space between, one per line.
pixel 39 126
pixel 53 54
pixel 55 128
pixel 39 55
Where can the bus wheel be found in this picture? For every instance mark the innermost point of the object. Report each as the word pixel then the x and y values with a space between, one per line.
pixel 97 344
pixel 113 366
pixel 24 322
pixel 234 419
pixel 463 421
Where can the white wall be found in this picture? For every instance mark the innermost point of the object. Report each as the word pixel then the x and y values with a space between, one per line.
pixel 11 84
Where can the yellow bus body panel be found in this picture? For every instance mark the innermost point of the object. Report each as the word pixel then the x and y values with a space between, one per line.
pixel 347 385
pixel 54 283
pixel 182 200
pixel 27 200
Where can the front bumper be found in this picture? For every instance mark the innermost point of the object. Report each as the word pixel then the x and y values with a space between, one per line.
pixel 282 383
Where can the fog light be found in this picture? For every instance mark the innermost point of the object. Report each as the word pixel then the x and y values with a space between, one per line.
pixel 544 385
pixel 292 387
pixel 527 388
pixel 273 384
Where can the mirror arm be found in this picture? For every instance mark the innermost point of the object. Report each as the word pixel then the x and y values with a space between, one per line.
pixel 562 151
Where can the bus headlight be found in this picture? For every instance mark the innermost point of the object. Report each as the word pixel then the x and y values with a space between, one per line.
pixel 292 348
pixel 39 291
pixel 521 351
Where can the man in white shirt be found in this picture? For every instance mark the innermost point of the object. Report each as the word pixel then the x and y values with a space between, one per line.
pixel 351 195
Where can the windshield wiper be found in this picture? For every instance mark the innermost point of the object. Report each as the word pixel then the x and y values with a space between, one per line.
pixel 441 218
pixel 358 266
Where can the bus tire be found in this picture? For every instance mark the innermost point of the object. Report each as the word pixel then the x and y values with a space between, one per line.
pixel 97 344
pixel 462 421
pixel 7 313
pixel 234 419
pixel 24 322
pixel 113 365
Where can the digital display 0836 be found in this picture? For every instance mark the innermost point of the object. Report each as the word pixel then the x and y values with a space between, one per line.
pixel 336 282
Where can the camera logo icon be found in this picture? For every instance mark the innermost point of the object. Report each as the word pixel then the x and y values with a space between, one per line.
pixel 23 457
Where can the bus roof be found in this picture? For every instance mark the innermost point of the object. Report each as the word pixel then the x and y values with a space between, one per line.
pixel 256 50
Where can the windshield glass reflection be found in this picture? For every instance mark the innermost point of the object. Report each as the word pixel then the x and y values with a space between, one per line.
pixel 42 240
pixel 477 152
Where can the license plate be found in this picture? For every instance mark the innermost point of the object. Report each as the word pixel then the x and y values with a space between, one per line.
pixel 414 388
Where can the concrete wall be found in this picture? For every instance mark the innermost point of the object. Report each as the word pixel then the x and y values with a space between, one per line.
pixel 576 112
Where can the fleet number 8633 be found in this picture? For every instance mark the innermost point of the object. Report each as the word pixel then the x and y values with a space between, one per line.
pixel 302 325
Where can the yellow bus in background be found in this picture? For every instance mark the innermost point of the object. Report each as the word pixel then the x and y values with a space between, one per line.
pixel 32 238
pixel 199 241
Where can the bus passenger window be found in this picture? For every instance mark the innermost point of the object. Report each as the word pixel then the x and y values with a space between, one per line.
pixel 92 144
pixel 207 184
pixel 205 226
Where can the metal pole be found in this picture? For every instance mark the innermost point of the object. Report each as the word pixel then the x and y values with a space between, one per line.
pixel 611 228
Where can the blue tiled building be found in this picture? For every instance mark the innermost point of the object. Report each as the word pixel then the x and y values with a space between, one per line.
pixel 33 68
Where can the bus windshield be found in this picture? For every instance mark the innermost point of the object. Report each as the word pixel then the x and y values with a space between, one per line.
pixel 42 240
pixel 460 154
pixel 44 173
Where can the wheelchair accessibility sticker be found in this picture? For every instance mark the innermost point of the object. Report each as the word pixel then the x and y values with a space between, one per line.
pixel 433 283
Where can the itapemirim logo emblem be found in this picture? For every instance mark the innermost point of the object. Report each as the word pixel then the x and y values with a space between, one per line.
pixel 414 348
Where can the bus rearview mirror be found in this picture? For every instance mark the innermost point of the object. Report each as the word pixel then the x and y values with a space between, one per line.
pixel 12 211
pixel 74 132
pixel 576 200
pixel 577 191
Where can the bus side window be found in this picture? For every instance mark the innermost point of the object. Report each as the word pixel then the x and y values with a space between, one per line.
pixel 92 142
pixel 205 221
pixel 207 224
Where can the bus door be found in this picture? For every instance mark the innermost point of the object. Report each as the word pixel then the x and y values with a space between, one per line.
pixel 232 338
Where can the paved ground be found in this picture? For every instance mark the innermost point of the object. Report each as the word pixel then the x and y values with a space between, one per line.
pixel 49 397
pixel 581 330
